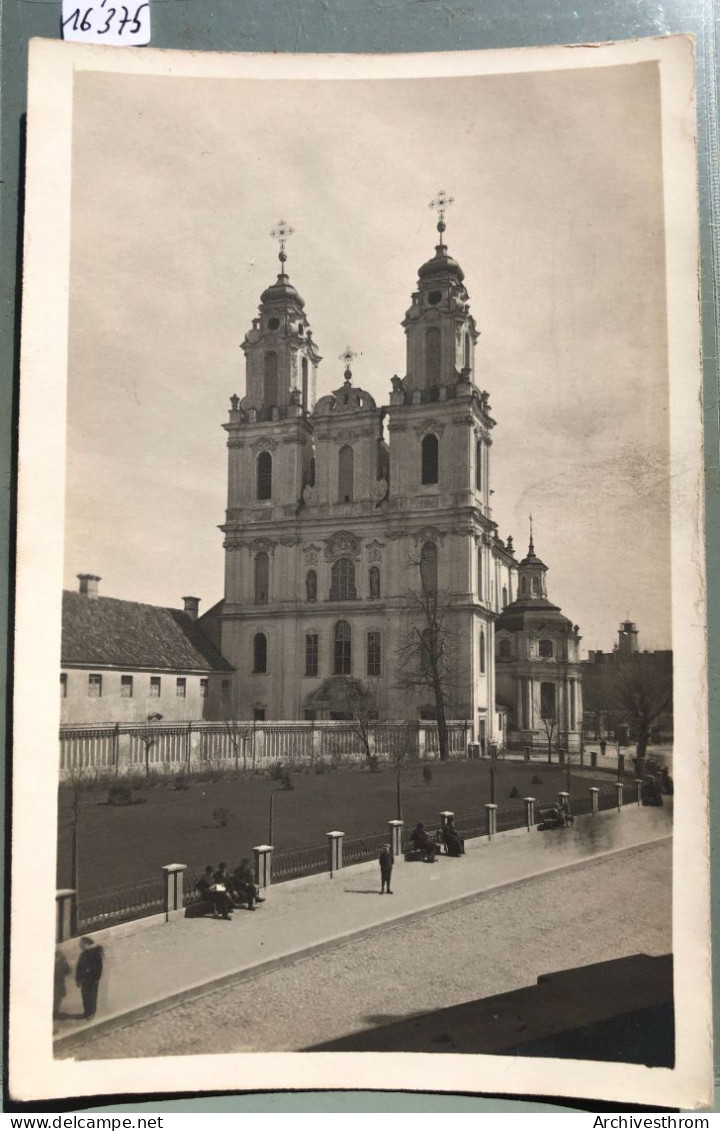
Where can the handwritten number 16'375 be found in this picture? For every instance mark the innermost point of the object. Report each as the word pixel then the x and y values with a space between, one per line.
pixel 80 22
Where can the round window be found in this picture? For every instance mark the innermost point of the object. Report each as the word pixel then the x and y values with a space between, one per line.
pixel 434 297
pixel 273 323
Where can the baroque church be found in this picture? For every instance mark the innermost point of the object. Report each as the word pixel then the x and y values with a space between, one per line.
pixel 344 517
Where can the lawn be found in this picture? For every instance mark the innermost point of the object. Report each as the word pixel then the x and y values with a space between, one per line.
pixel 121 844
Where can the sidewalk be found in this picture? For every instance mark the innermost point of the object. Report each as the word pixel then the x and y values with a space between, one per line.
pixel 146 967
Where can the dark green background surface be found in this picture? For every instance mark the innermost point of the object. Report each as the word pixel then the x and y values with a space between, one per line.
pixel 381 26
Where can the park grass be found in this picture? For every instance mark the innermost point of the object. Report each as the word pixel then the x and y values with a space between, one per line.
pixel 120 844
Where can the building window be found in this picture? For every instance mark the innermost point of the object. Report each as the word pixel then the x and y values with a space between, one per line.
pixel 95 686
pixel 305 385
pixel 479 573
pixel 312 652
pixel 482 651
pixel 264 475
pixel 430 459
pixel 345 474
pixel 262 578
pixel 523 586
pixel 63 685
pixel 311 585
pixel 428 568
pixel 478 464
pixel 260 653
pixel 203 689
pixel 467 351
pixel 504 649
pixel 374 583
pixel 225 690
pixel 374 653
pixel 343 649
pixel 342 580
pixel 270 379
pixel 155 687
pixel 504 596
pixel 536 586
pixel 547 700
pixel 126 687
pixel 432 356
pixel 259 714
pixel 545 649
pixel 180 687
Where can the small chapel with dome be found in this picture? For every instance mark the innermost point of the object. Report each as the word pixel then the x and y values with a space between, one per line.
pixel 349 524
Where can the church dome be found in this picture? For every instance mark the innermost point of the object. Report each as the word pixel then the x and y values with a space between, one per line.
pixel 441 264
pixel 281 291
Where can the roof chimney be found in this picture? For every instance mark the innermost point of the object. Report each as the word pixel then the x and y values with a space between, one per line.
pixel 89 584
pixel 191 607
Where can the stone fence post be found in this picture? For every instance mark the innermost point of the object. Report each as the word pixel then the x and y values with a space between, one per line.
pixel 563 796
pixel 445 816
pixel 529 811
pixel 396 831
pixel 65 913
pixel 263 865
pixel 491 819
pixel 620 766
pixel 335 851
pixel 619 787
pixel 173 880
pixel 594 799
pixel 639 784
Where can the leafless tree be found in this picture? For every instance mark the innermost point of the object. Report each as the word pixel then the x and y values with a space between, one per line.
pixel 639 690
pixel 239 733
pixel 358 701
pixel 550 724
pixel 149 736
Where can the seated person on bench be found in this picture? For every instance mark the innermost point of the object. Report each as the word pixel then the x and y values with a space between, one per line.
pixel 423 844
pixel 244 885
pixel 452 840
pixel 219 900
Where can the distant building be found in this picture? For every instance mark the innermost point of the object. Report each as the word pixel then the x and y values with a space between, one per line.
pixel 537 663
pixel 123 661
pixel 604 716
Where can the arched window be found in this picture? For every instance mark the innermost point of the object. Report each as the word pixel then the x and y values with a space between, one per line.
pixel 467 351
pixel 479 573
pixel 374 583
pixel 426 651
pixel 311 585
pixel 504 596
pixel 430 459
pixel 482 651
pixel 305 383
pixel 260 652
pixel 342 580
pixel 264 475
pixel 262 578
pixel 523 586
pixel 428 567
pixel 535 586
pixel 270 379
pixel 432 356
pixel 547 700
pixel 345 474
pixel 478 464
pixel 504 649
pixel 545 649
pixel 342 649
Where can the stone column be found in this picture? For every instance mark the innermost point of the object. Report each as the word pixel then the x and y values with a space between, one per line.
pixel 65 913
pixel 491 820
pixel 563 796
pixel 619 787
pixel 263 865
pixel 594 797
pixel 529 812
pixel 396 831
pixel 335 851
pixel 173 881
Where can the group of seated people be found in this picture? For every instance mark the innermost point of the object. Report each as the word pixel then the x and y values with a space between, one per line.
pixel 224 892
pixel 425 847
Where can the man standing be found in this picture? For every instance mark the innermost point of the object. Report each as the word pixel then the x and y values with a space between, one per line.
pixel 87 975
pixel 386 867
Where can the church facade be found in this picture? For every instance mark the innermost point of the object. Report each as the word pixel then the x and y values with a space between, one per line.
pixel 359 538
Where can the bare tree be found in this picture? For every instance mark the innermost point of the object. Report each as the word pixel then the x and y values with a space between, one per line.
pixel 358 702
pixel 239 733
pixel 550 724
pixel 639 689
pixel 425 658
pixel 149 736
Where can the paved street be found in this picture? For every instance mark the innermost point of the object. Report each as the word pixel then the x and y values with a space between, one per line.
pixel 501 941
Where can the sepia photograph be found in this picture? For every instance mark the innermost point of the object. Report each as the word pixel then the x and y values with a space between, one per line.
pixel 360 686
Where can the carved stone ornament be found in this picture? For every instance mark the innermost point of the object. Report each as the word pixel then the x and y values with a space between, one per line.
pixel 235 442
pixel 311 551
pixel 464 418
pixel 258 545
pixel 379 489
pixel 427 427
pixel 310 495
pixel 343 544
pixel 374 551
pixel 289 541
pixel 393 535
pixel 429 534
pixel 264 444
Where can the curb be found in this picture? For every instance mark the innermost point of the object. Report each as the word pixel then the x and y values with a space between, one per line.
pixel 67 1042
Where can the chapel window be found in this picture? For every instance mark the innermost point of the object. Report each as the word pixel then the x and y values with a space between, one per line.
pixel 342 649
pixel 429 461
pixel 264 476
pixel 262 578
pixel 342 580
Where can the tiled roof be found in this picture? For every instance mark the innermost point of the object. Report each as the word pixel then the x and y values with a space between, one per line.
pixel 127 634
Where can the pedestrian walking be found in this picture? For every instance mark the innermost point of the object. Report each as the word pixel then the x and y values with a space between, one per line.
pixel 88 973
pixel 386 867
pixel 62 969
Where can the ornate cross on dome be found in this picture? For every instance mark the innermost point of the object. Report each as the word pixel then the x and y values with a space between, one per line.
pixel 441 202
pixel 531 548
pixel 348 356
pixel 282 233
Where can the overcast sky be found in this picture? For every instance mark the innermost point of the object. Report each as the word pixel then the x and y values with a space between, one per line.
pixel 557 223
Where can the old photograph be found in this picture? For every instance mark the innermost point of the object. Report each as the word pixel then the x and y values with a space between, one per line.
pixel 360 669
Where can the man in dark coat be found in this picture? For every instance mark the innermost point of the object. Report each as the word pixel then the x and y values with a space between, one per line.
pixel 386 867
pixel 244 884
pixel 88 973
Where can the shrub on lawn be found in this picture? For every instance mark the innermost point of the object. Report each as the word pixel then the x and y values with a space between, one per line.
pixel 514 792
pixel 320 767
pixel 222 816
pixel 277 771
pixel 287 782
pixel 181 781
pixel 535 780
pixel 427 775
pixel 120 794
pixel 373 764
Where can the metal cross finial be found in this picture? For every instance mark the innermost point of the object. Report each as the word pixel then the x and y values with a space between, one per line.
pixel 441 202
pixel 348 356
pixel 531 548
pixel 282 233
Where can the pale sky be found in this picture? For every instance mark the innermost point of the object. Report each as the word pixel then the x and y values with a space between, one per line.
pixel 557 223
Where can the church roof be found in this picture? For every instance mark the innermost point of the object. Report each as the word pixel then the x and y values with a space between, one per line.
pixel 441 264
pixel 127 634
pixel 281 291
pixel 517 614
pixel 348 398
